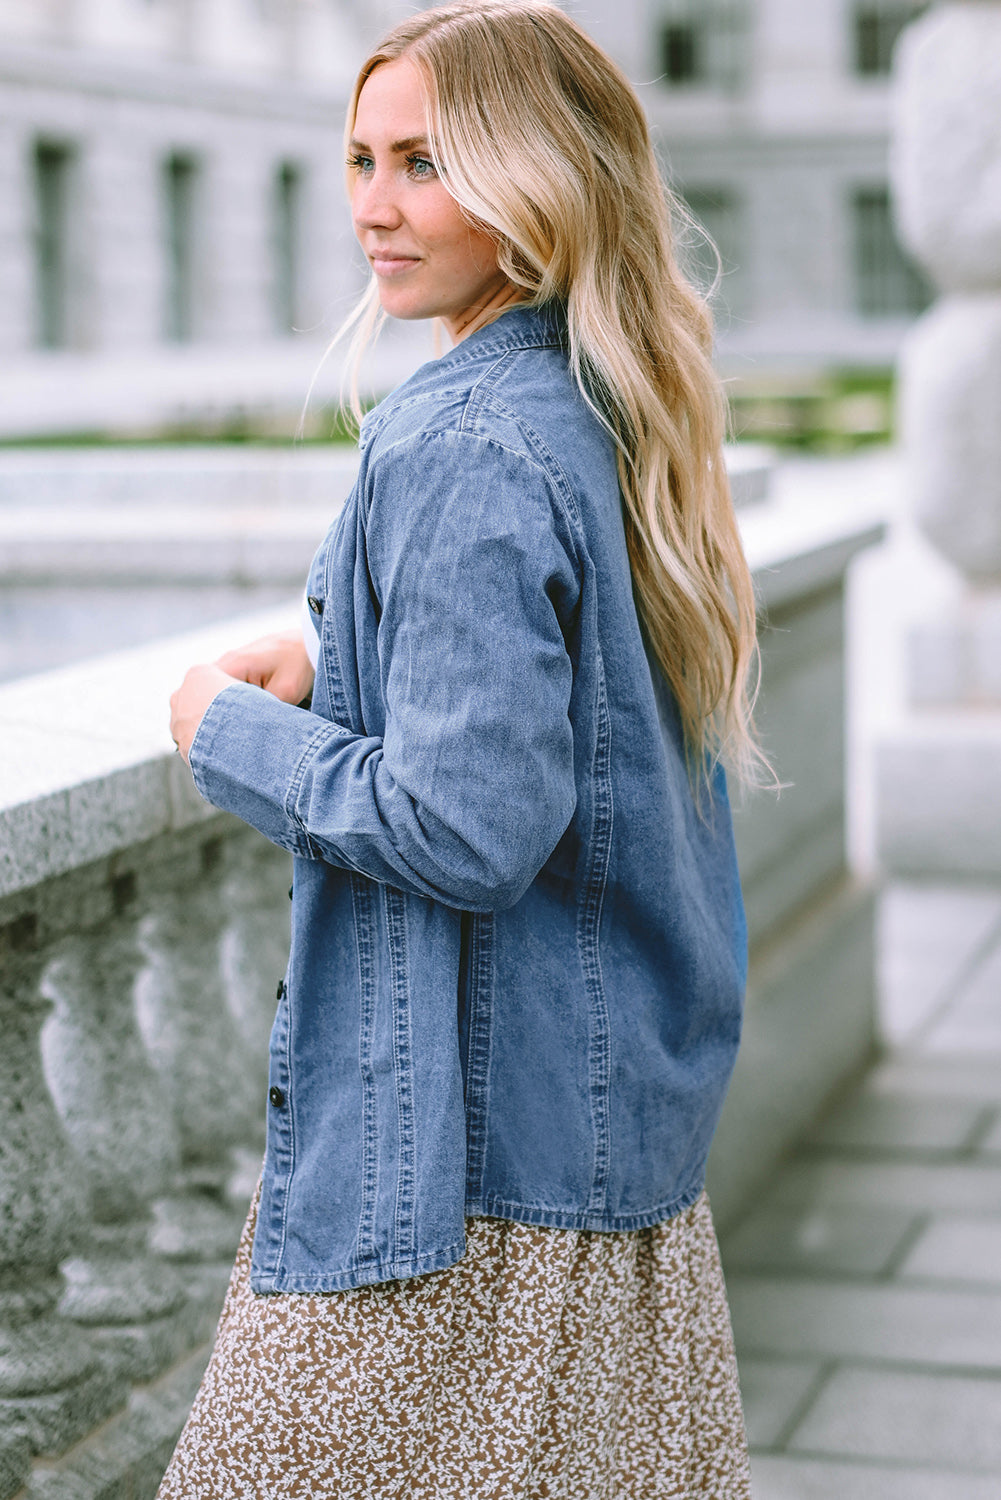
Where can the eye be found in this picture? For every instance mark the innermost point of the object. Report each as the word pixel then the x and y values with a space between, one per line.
pixel 421 168
pixel 360 163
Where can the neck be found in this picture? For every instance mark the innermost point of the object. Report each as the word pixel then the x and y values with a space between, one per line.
pixel 476 317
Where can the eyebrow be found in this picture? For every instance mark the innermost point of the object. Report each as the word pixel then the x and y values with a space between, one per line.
pixel 410 143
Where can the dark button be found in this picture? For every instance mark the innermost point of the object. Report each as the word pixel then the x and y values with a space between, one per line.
pixel 276 1096
pixel 315 604
pixel 280 992
pixel 290 893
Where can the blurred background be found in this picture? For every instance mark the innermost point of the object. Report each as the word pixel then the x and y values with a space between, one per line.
pixel 176 249
pixel 175 252
pixel 175 257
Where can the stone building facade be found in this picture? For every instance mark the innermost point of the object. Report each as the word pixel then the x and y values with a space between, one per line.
pixel 171 205
pixel 773 119
pixel 173 239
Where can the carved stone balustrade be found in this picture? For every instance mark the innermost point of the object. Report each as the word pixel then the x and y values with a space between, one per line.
pixel 52 1385
pixel 131 1092
pixel 255 948
pixel 118 1119
pixel 142 936
pixel 204 1065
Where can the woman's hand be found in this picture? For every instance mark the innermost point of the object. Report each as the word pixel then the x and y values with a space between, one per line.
pixel 278 663
pixel 188 704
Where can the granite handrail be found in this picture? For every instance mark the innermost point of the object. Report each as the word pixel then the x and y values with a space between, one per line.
pixel 142 935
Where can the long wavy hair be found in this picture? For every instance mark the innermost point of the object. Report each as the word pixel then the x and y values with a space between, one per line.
pixel 542 141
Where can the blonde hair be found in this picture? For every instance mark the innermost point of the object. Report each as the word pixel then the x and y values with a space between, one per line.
pixel 542 141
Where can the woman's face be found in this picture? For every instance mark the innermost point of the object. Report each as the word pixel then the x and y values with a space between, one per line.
pixel 428 259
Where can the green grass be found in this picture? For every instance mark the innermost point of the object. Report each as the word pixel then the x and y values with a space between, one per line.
pixel 833 412
pixel 326 426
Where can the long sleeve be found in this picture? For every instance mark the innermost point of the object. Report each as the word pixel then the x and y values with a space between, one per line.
pixel 470 786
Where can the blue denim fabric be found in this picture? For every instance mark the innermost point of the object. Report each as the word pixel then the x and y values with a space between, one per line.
pixel 518 949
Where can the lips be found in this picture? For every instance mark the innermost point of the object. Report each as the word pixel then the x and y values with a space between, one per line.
pixel 391 263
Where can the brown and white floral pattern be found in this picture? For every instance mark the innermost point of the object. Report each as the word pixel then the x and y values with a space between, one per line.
pixel 547 1363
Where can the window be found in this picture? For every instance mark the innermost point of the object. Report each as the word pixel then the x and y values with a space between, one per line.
pixel 703 42
pixel 180 184
pixel 52 168
pixel 878 23
pixel 287 213
pixel 679 54
pixel 887 283
pixel 717 211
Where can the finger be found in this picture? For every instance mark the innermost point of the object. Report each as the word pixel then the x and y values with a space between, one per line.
pixel 258 671
pixel 246 669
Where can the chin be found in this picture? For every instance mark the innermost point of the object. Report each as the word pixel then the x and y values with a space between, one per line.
pixel 401 308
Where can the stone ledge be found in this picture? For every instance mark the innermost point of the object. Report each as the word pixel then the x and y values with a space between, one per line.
pixel 87 766
pixel 797 553
pixel 94 794
pixel 119 516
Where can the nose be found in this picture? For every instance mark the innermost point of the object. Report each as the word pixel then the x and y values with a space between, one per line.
pixel 373 202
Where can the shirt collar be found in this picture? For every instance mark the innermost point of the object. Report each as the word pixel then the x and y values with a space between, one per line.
pixel 522 326
pixel 519 327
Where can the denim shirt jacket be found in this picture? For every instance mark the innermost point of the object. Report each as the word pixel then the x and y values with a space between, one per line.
pixel 518 947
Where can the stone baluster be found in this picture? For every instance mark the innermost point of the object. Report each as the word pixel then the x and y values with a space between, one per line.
pixel 53 1386
pixel 197 1050
pixel 255 944
pixel 254 956
pixel 118 1119
pixel 15 1463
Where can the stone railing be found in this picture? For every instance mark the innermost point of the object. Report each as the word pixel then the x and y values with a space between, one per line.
pixel 810 1015
pixel 142 936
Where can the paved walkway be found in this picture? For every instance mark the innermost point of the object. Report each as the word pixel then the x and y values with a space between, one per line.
pixel 866 1288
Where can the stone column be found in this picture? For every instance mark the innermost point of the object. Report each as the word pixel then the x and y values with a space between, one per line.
pixel 118 1119
pixel 123 172
pixel 237 230
pixel 939 787
pixel 203 1064
pixel 17 268
pixel 254 954
pixel 255 945
pixel 52 1385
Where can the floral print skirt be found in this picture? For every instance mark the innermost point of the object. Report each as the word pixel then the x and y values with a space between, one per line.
pixel 546 1363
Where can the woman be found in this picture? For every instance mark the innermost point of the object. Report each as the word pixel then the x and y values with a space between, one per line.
pixel 482 1259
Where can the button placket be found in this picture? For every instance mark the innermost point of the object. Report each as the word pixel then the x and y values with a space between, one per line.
pixel 276 1096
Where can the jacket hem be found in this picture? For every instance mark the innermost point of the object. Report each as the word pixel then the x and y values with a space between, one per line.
pixel 369 1274
pixel 487 1207
pixel 555 1218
